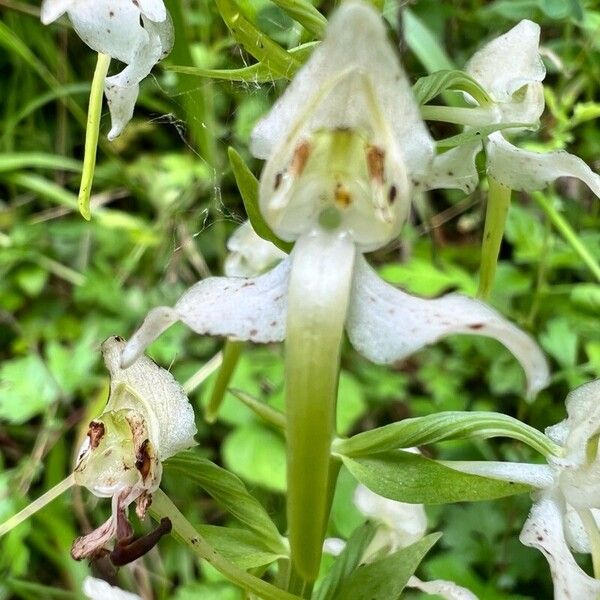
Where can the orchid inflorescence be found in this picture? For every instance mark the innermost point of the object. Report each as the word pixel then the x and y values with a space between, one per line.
pixel 346 150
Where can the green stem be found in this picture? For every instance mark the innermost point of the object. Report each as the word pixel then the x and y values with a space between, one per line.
pixel 91 134
pixel 317 304
pixel 162 506
pixel 473 117
pixel 566 231
pixel 231 356
pixel 498 204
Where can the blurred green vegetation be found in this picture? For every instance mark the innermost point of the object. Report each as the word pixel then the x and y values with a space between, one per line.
pixel 164 203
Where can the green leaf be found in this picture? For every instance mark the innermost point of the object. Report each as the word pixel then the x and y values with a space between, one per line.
pixel 425 44
pixel 248 186
pixel 264 49
pixel 385 578
pixel 26 389
pixel 587 296
pixel 304 13
pixel 346 562
pixel 442 426
pixel 269 414
pixel 351 402
pixel 242 547
pixel 18 161
pixel 258 455
pixel 256 73
pixel 230 493
pixel 428 87
pixel 220 590
pixel 412 478
pixel 560 341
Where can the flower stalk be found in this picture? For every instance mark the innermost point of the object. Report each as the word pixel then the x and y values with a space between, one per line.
pixel 318 302
pixel 498 203
pixel 91 134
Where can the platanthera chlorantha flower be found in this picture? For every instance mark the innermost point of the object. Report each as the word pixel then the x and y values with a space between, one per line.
pixel 147 419
pixel 510 70
pixel 250 255
pixel 338 182
pixel 399 526
pixel 97 589
pixel 566 508
pixel 345 145
pixel 138 33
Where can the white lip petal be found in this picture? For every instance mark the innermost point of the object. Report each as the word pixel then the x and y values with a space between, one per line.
pixel 509 62
pixel 529 171
pixel 356 40
pixel 97 589
pixel 454 168
pixel 385 324
pixel 53 9
pixel 166 404
pixel 544 530
pixel 444 589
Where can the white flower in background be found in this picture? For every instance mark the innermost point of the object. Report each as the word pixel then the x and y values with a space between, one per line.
pixel 249 254
pixel 148 418
pixel 345 145
pixel 510 70
pixel 400 525
pixel 138 33
pixel 97 589
pixel 566 508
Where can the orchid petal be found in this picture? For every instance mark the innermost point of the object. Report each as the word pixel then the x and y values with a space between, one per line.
pixel 453 169
pixel 539 476
pixel 506 65
pixel 407 523
pixel 544 530
pixel 109 27
pixel 582 423
pixel 385 324
pixel 529 171
pixel 575 532
pixel 249 254
pixel 153 9
pixel 121 102
pixel 97 589
pixel 122 89
pixel 159 397
pixel 444 589
pixel 356 41
pixel 53 9
pixel 244 309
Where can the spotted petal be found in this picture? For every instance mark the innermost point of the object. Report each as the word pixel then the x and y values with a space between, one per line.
pixel 528 171
pixel 544 530
pixel 246 309
pixel 54 9
pixel 356 42
pixel 444 589
pixel 98 589
pixel 385 324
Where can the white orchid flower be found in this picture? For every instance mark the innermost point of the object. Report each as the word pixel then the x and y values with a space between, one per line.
pixel 345 146
pixel 339 183
pixel 400 525
pixel 566 508
pixel 510 70
pixel 249 254
pixel 138 33
pixel 147 419
pixel 98 589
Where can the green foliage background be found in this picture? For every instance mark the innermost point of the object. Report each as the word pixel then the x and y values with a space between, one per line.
pixel 164 204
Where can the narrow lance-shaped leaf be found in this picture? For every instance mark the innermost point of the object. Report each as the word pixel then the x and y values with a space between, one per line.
pixel 386 578
pixel 414 479
pixel 305 13
pixel 428 87
pixel 443 426
pixel 229 491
